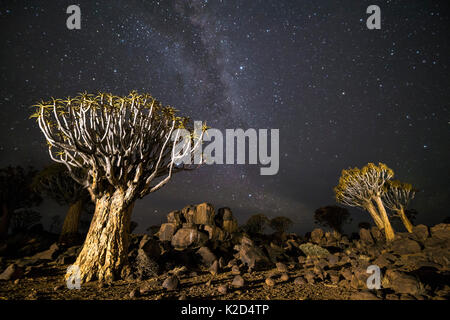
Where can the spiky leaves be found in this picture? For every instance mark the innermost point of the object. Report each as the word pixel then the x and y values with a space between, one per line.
pixel 120 142
pixel 396 196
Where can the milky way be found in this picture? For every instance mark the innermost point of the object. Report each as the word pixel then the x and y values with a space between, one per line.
pixel 341 95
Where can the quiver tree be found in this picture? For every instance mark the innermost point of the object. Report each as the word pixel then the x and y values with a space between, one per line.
pixel 280 224
pixel 23 219
pixel 55 182
pixel 128 147
pixel 15 193
pixel 332 216
pixel 361 187
pixel 396 196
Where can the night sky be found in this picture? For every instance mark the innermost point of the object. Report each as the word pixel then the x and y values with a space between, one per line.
pixel 341 95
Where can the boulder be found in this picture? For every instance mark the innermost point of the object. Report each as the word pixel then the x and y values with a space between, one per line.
pixel 401 282
pixel 363 295
pixel 186 237
pixel 204 214
pixel 441 231
pixel 207 257
pixel 251 255
pixel 365 236
pixel 377 234
pixel 238 282
pixel 225 220
pixel 281 267
pixel 403 246
pixel 420 232
pixel 150 247
pixel 146 267
pixel 317 235
pixel 188 214
pixel 171 283
pixel 175 217
pixel 13 272
pixel 49 254
pixel 167 231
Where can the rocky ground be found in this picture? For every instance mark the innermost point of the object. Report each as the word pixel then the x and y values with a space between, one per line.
pixel 201 254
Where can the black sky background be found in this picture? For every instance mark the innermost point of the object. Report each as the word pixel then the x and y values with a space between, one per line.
pixel 341 95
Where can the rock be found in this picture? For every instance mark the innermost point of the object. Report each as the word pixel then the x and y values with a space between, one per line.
pixel 441 231
pixel 226 221
pixel 363 295
pixel 317 235
pixel 365 236
pixel 182 297
pixel 58 287
pixel 238 282
pixel 179 272
pixel 420 232
pixel 251 255
pixel 334 276
pixel 145 266
pixel 186 237
pixel 284 277
pixel 223 289
pixel 49 254
pixel 235 270
pixel 175 217
pixel 332 260
pixel 150 247
pixel 207 257
pixel 346 274
pixel 222 263
pixel 13 272
pixel 204 214
pixel 214 269
pixel 214 232
pixel 270 282
pixel 281 267
pixel 167 231
pixel 313 250
pixel 405 246
pixel 377 235
pixel 171 283
pixel 309 276
pixel 402 283
pixel 299 281
pixel 134 293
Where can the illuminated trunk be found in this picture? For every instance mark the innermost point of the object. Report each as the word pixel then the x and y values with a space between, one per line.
pixel 388 231
pixel 408 225
pixel 105 250
pixel 69 233
pixel 375 216
pixel 4 221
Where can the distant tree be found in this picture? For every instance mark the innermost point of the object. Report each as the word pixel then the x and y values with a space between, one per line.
pixel 280 224
pixel 359 187
pixel 364 225
pixel 397 196
pixel 15 193
pixel 55 182
pixel 23 219
pixel 55 223
pixel 256 224
pixel 332 216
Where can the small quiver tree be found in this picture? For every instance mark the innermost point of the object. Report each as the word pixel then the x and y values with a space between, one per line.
pixel 359 187
pixel 128 147
pixel 55 182
pixel 15 193
pixel 256 224
pixel 397 196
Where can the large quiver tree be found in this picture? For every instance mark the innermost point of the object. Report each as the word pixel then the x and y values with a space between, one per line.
pixel 128 147
pixel 55 182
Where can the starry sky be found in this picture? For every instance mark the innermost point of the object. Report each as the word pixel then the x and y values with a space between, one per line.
pixel 341 95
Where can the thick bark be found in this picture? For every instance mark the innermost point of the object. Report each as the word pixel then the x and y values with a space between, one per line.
pixel 105 250
pixel 69 233
pixel 4 221
pixel 408 225
pixel 375 216
pixel 388 231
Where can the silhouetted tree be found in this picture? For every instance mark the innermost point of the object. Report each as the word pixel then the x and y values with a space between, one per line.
pixel 280 224
pixel 127 147
pixel 15 193
pixel 397 196
pixel 55 182
pixel 256 224
pixel 23 219
pixel 332 216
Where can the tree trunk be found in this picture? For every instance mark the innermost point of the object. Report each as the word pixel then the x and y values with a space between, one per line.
pixel 4 221
pixel 388 231
pixel 375 216
pixel 105 250
pixel 408 225
pixel 69 233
